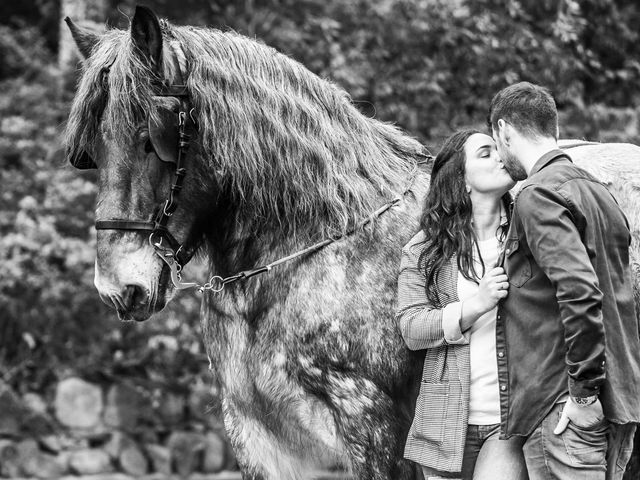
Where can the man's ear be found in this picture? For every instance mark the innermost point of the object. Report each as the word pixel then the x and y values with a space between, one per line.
pixel 504 131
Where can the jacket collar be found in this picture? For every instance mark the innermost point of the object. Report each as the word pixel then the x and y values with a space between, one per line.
pixel 548 158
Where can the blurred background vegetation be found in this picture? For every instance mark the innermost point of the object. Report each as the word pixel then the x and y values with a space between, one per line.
pixel 431 66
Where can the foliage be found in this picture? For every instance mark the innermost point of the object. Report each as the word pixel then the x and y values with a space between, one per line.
pixel 429 65
pixel 52 320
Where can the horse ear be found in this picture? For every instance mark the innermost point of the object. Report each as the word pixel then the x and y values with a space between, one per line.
pixel 147 35
pixel 85 39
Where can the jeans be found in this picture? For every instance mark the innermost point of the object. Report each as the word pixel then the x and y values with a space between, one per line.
pixel 620 440
pixel 576 454
pixel 486 457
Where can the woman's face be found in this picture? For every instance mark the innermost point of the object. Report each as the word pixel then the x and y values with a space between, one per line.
pixel 485 173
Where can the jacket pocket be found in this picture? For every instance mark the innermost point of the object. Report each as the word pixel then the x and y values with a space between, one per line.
pixel 517 265
pixel 431 412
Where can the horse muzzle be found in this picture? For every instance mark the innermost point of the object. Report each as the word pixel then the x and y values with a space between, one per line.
pixel 136 286
pixel 132 303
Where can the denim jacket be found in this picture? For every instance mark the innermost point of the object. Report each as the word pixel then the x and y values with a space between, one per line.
pixel 569 322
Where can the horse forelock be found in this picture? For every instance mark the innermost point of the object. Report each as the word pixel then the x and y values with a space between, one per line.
pixel 287 146
pixel 114 94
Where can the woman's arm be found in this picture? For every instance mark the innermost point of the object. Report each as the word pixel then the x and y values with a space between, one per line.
pixel 422 324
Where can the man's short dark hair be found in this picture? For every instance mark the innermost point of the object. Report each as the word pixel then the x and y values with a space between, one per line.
pixel 529 108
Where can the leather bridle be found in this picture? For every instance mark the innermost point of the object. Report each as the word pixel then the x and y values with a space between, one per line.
pixel 165 245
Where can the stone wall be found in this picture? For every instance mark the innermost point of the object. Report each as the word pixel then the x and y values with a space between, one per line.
pixel 110 429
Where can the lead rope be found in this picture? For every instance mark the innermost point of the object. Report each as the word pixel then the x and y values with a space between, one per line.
pixel 217 283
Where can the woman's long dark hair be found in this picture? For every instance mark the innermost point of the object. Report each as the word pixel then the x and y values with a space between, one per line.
pixel 447 217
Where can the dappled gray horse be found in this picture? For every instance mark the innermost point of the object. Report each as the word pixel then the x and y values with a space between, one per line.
pixel 211 141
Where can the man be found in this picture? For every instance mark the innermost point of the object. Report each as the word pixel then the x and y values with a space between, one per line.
pixel 567 334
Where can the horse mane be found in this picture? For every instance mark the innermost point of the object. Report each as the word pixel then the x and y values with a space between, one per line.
pixel 288 147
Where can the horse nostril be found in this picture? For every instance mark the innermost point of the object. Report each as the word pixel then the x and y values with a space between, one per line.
pixel 133 295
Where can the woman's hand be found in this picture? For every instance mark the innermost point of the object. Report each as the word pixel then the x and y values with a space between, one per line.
pixel 493 287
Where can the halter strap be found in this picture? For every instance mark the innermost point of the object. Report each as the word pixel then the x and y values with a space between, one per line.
pixel 117 224
pixel 163 242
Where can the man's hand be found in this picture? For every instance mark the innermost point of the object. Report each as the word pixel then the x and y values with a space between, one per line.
pixel 583 417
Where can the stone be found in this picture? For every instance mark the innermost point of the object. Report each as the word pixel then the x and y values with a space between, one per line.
pixel 44 465
pixel 70 442
pixel 160 457
pixel 186 450
pixel 172 408
pixel 160 476
pixel 127 454
pixel 36 424
pixel 50 443
pixel 32 462
pixel 199 403
pixel 9 459
pixel 220 476
pixel 147 435
pixel 125 407
pixel 133 461
pixel 78 404
pixel 118 441
pixel 35 403
pixel 90 461
pixel 11 411
pixel 27 448
pixel 103 476
pixel 214 453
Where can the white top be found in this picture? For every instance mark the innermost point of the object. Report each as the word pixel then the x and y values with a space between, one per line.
pixel 484 396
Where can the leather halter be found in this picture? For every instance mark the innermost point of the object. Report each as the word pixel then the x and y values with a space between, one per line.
pixel 165 245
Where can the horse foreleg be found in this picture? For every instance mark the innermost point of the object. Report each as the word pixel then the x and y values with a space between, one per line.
pixel 260 454
pixel 367 419
pixel 374 449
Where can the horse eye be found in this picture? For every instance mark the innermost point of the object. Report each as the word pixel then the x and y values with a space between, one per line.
pixel 148 146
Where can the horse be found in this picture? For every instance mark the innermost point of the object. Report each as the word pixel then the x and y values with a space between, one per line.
pixel 209 142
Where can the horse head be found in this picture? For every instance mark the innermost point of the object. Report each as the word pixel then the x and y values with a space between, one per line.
pixel 132 120
pixel 281 157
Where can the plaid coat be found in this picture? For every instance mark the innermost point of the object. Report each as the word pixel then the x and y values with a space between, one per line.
pixel 437 436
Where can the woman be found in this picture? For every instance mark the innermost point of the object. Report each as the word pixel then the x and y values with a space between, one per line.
pixel 448 290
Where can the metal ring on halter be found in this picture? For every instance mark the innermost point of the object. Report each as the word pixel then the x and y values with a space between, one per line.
pixel 209 284
pixel 154 244
pixel 163 252
pixel 193 118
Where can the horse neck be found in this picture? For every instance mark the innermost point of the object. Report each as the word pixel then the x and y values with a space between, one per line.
pixel 237 242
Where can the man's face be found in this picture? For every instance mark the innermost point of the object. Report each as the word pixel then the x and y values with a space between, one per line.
pixel 511 163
